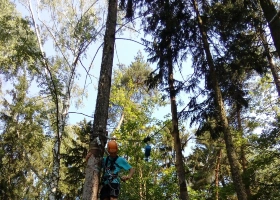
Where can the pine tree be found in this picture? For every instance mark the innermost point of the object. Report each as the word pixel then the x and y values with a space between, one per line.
pixel 22 138
pixel 213 83
pixel 164 22
pixel 273 20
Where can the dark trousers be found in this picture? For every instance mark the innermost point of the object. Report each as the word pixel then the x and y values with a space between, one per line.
pixel 110 190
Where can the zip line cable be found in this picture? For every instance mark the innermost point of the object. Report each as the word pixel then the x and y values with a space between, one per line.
pixel 276 15
pixel 148 138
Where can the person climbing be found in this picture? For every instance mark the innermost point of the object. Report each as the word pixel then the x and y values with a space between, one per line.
pixel 112 165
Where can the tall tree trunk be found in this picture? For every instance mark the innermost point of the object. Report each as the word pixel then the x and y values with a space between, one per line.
pixel 175 130
pixel 91 185
pixel 244 162
pixel 176 137
pixel 273 20
pixel 217 173
pixel 231 154
pixel 54 176
pixel 180 168
pixel 272 66
pixel 141 184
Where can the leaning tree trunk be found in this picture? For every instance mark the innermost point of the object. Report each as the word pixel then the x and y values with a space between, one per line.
pixel 272 66
pixel 231 154
pixel 98 136
pixel 273 20
pixel 53 180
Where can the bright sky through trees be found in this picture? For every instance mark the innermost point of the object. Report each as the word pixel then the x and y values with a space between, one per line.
pixel 44 143
pixel 127 47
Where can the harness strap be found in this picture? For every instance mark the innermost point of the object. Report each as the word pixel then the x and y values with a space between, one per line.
pixel 110 177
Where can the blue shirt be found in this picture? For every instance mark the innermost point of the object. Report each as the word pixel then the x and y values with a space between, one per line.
pixel 112 174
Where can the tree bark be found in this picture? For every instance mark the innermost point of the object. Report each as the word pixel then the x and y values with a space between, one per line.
pixel 141 185
pixel 91 185
pixel 180 168
pixel 230 149
pixel 54 176
pixel 273 20
pixel 120 122
pixel 176 137
pixel 175 131
pixel 244 161
pixel 272 66
pixel 217 173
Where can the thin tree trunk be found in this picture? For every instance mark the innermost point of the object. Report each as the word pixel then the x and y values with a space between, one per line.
pixel 91 185
pixel 272 66
pixel 180 168
pixel 120 122
pixel 145 188
pixel 273 20
pixel 53 180
pixel 217 173
pixel 179 160
pixel 141 185
pixel 231 154
pixel 55 175
pixel 244 161
pixel 175 133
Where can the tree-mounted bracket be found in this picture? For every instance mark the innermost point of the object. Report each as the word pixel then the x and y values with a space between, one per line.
pixel 97 142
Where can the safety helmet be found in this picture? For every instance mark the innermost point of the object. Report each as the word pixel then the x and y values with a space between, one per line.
pixel 112 146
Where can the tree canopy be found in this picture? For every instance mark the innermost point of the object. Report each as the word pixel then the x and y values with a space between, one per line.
pixel 203 92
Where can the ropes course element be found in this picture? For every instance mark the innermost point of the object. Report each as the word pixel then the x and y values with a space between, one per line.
pixel 147 148
pixel 147 139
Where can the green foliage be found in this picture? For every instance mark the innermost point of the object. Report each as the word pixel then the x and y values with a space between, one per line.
pixel 264 165
pixel 22 139
pixel 18 44
pixel 165 23
pixel 29 124
pixel 129 94
pixel 75 150
pixel 131 98
pixel 19 53
pixel 155 178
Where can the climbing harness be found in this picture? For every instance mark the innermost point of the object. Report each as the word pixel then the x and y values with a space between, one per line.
pixel 108 169
pixel 114 191
pixel 109 176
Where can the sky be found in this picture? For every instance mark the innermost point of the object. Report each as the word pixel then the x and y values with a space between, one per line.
pixel 125 52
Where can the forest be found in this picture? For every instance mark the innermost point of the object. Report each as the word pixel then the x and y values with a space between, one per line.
pixel 213 65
